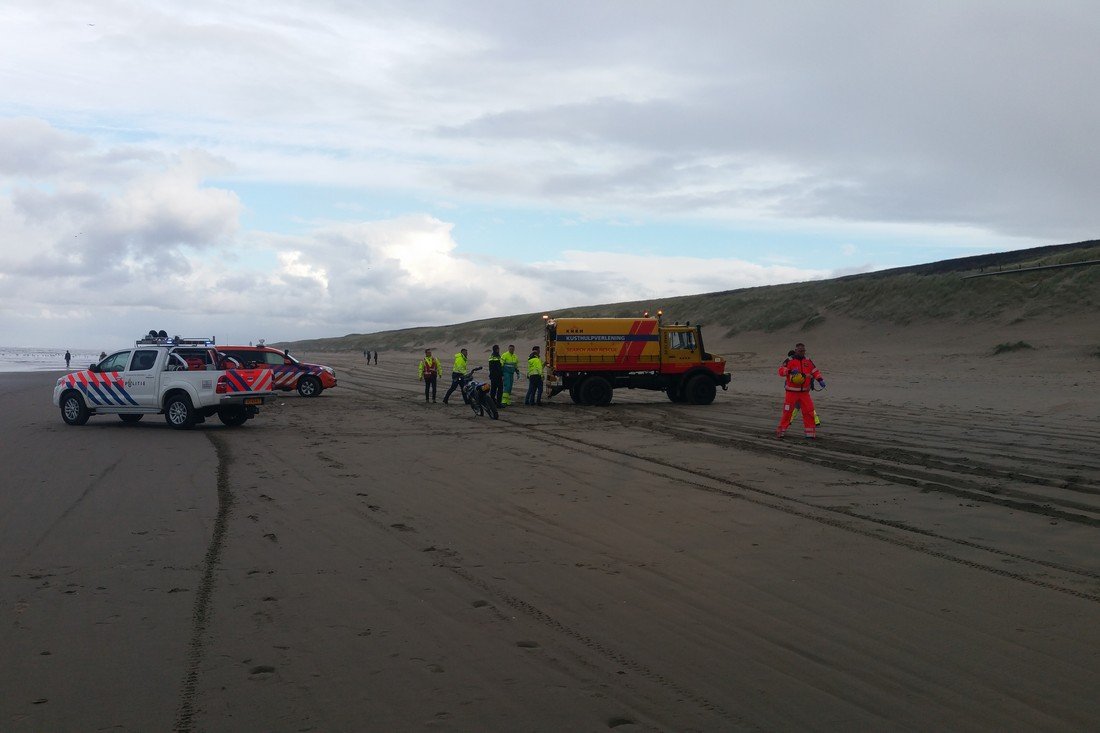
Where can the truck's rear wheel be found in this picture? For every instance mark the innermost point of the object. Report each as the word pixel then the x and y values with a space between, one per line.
pixel 595 391
pixel 73 409
pixel 675 393
pixel 179 413
pixel 574 394
pixel 700 390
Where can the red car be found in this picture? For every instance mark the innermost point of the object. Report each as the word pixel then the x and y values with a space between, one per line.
pixel 289 373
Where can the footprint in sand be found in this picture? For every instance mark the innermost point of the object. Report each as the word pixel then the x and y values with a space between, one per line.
pixel 261 672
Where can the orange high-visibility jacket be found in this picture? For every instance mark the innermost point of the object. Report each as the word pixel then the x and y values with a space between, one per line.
pixel 805 366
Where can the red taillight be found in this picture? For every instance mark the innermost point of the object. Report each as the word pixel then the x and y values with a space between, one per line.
pixel 222 387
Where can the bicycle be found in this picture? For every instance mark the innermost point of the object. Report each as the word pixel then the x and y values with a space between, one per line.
pixel 476 395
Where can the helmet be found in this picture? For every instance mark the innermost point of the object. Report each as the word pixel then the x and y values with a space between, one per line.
pixel 798 378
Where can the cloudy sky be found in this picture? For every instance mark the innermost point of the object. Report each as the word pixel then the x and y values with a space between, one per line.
pixel 288 169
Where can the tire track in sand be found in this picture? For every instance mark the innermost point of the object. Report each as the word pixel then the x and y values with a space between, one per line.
pixel 202 611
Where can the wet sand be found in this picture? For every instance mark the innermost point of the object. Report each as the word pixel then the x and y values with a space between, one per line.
pixel 364 561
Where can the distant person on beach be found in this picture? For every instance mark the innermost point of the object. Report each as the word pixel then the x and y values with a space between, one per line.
pixel 376 358
pixel 534 378
pixel 496 375
pixel 102 355
pixel 68 358
pixel 427 372
pixel 458 371
pixel 509 361
pixel 798 372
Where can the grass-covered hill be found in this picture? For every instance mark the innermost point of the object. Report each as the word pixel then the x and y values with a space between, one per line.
pixel 1007 291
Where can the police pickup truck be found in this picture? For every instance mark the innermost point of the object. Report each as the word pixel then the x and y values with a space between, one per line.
pixel 185 379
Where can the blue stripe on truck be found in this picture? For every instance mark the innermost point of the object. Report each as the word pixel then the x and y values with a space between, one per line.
pixel 608 337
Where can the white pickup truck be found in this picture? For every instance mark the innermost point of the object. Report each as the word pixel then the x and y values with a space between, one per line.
pixel 185 379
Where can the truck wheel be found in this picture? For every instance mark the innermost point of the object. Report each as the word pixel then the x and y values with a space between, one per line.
pixel 574 395
pixel 595 391
pixel 179 413
pixel 309 386
pixel 73 409
pixel 232 416
pixel 675 392
pixel 700 390
pixel 131 418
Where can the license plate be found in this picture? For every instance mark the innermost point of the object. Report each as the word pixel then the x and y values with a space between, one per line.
pixel 253 400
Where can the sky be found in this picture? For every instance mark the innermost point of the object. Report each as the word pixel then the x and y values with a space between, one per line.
pixel 285 169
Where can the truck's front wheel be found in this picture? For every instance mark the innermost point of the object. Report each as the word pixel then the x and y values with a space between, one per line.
pixel 179 413
pixel 674 392
pixel 700 390
pixel 73 409
pixel 310 387
pixel 595 391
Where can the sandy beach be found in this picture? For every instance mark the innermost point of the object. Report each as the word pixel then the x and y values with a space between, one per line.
pixel 366 561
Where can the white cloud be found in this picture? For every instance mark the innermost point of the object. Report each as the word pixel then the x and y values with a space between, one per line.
pixel 903 128
pixel 155 247
pixel 958 114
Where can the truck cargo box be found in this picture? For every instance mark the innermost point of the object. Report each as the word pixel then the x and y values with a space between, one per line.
pixel 606 344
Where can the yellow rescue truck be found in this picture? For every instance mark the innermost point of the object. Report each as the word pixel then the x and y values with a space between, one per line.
pixel 592 357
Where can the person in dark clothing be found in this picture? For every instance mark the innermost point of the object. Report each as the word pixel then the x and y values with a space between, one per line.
pixel 534 378
pixel 496 376
pixel 68 358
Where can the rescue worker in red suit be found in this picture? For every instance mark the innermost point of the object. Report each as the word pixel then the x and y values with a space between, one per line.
pixel 798 372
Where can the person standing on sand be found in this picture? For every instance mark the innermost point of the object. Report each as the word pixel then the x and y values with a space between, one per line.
pixel 427 371
pixel 509 361
pixel 496 375
pixel 458 371
pixel 68 358
pixel 376 358
pixel 534 378
pixel 798 372
pixel 795 412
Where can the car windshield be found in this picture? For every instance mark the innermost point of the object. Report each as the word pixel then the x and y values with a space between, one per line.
pixel 115 362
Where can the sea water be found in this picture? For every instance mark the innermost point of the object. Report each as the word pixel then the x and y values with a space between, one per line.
pixel 29 359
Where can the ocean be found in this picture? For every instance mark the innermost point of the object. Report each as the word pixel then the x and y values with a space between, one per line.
pixel 29 359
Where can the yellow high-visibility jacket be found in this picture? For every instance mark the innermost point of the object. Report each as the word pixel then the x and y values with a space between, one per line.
pixel 431 367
